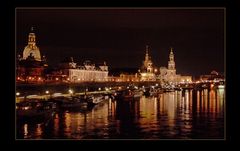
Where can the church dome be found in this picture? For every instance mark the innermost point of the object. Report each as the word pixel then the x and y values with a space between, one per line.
pixel 31 49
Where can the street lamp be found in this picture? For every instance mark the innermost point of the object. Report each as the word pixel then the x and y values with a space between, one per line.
pixel 70 91
pixel 17 94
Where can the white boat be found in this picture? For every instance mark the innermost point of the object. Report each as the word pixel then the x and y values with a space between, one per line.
pixel 98 99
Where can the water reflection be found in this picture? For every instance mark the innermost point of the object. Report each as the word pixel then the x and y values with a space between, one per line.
pixel 179 114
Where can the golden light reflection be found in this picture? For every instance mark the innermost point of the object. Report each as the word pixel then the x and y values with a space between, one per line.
pixel 171 111
pixel 56 124
pixel 221 100
pixel 170 105
pixel 210 101
pixel 148 109
pixel 39 130
pixel 205 100
pixel 161 100
pixel 25 127
pixel 68 124
pixel 198 102
pixel 188 107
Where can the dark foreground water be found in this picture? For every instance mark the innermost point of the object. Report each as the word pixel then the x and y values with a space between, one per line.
pixel 172 115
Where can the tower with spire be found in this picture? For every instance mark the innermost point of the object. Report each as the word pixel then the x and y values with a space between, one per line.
pixel 31 66
pixel 31 50
pixel 171 62
pixel 147 72
pixel 147 63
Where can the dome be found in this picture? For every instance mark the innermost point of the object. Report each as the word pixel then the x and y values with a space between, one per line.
pixel 214 72
pixel 31 51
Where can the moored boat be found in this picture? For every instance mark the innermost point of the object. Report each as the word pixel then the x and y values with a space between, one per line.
pixel 128 95
pixel 34 110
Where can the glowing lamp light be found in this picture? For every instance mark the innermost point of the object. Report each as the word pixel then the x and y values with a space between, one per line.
pixel 70 91
pixel 17 94
pixel 47 92
pixel 26 107
pixel 56 79
pixel 68 79
pixel 99 89
pixel 221 86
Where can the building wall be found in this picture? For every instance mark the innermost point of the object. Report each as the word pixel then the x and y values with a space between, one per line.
pixel 145 76
pixel 76 75
pixel 24 71
pixel 185 79
pixel 170 76
pixel 129 77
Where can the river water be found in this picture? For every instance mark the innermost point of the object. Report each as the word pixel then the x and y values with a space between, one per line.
pixel 185 114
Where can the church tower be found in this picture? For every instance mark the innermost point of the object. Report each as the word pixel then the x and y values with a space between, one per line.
pixel 147 73
pixel 147 63
pixel 31 50
pixel 171 72
pixel 171 62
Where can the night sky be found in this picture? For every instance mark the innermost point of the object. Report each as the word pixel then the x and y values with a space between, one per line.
pixel 119 36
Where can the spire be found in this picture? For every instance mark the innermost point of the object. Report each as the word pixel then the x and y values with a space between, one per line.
pixel 171 55
pixel 31 47
pixel 32 29
pixel 32 38
pixel 171 50
pixel 171 62
pixel 147 56
pixel 147 47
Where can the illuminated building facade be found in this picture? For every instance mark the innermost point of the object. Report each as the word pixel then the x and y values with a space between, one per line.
pixel 129 77
pixel 168 75
pixel 85 73
pixel 214 75
pixel 147 70
pixel 30 67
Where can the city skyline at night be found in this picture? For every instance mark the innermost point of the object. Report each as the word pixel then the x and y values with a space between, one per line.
pixel 119 36
pixel 120 73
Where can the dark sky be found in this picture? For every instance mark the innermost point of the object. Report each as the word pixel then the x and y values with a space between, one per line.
pixel 119 36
